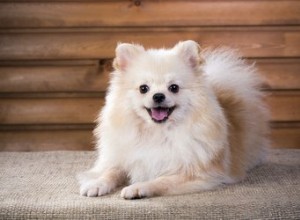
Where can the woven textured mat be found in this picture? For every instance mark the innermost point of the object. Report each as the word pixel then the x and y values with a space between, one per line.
pixel 42 185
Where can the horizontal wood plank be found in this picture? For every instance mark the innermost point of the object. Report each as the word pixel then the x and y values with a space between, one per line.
pixel 285 137
pixel 82 139
pixel 42 140
pixel 101 43
pixel 20 63
pixel 84 78
pixel 49 110
pixel 284 107
pixel 280 73
pixel 55 77
pixel 148 13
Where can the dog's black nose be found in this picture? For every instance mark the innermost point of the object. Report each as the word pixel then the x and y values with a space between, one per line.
pixel 159 97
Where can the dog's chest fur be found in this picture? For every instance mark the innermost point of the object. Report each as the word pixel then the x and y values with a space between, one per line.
pixel 162 152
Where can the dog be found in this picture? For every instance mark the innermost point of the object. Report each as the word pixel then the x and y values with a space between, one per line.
pixel 177 121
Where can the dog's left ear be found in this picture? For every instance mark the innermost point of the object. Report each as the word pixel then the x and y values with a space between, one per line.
pixel 189 51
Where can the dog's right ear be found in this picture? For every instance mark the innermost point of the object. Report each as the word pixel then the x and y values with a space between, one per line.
pixel 125 54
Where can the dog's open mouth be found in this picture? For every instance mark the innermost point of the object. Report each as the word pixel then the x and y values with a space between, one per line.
pixel 160 114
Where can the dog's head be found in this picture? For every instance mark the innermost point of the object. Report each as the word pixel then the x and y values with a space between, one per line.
pixel 159 84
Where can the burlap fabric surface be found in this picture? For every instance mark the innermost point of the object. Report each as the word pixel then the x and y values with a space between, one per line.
pixel 42 185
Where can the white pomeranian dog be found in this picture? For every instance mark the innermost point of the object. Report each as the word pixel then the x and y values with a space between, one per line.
pixel 177 121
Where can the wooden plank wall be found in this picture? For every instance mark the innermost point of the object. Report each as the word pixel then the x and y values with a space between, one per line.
pixel 55 58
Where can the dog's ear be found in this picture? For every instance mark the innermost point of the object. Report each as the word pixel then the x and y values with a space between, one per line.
pixel 125 54
pixel 189 51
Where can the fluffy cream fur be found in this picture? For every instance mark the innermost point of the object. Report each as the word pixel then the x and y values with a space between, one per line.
pixel 216 132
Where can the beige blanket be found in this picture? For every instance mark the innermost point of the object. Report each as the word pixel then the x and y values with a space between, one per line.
pixel 42 185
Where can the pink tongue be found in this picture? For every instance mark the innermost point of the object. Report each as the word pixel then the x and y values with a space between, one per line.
pixel 159 114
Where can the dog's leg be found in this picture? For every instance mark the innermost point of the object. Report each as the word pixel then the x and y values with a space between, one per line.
pixel 94 184
pixel 168 185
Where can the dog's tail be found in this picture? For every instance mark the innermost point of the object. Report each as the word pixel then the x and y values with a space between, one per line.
pixel 225 68
pixel 229 74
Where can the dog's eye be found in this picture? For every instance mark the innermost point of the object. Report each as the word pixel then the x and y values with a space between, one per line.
pixel 174 88
pixel 144 89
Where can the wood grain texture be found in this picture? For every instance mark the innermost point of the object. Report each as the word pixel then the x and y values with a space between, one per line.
pixel 55 77
pixel 42 140
pixel 49 110
pixel 284 107
pixel 101 43
pixel 148 13
pixel 285 135
pixel 280 73
pixel 85 78
pixel 55 59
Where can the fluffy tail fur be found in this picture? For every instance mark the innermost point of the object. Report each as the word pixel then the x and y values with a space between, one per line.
pixel 238 88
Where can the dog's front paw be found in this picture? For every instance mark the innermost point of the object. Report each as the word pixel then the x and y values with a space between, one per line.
pixel 94 188
pixel 137 191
